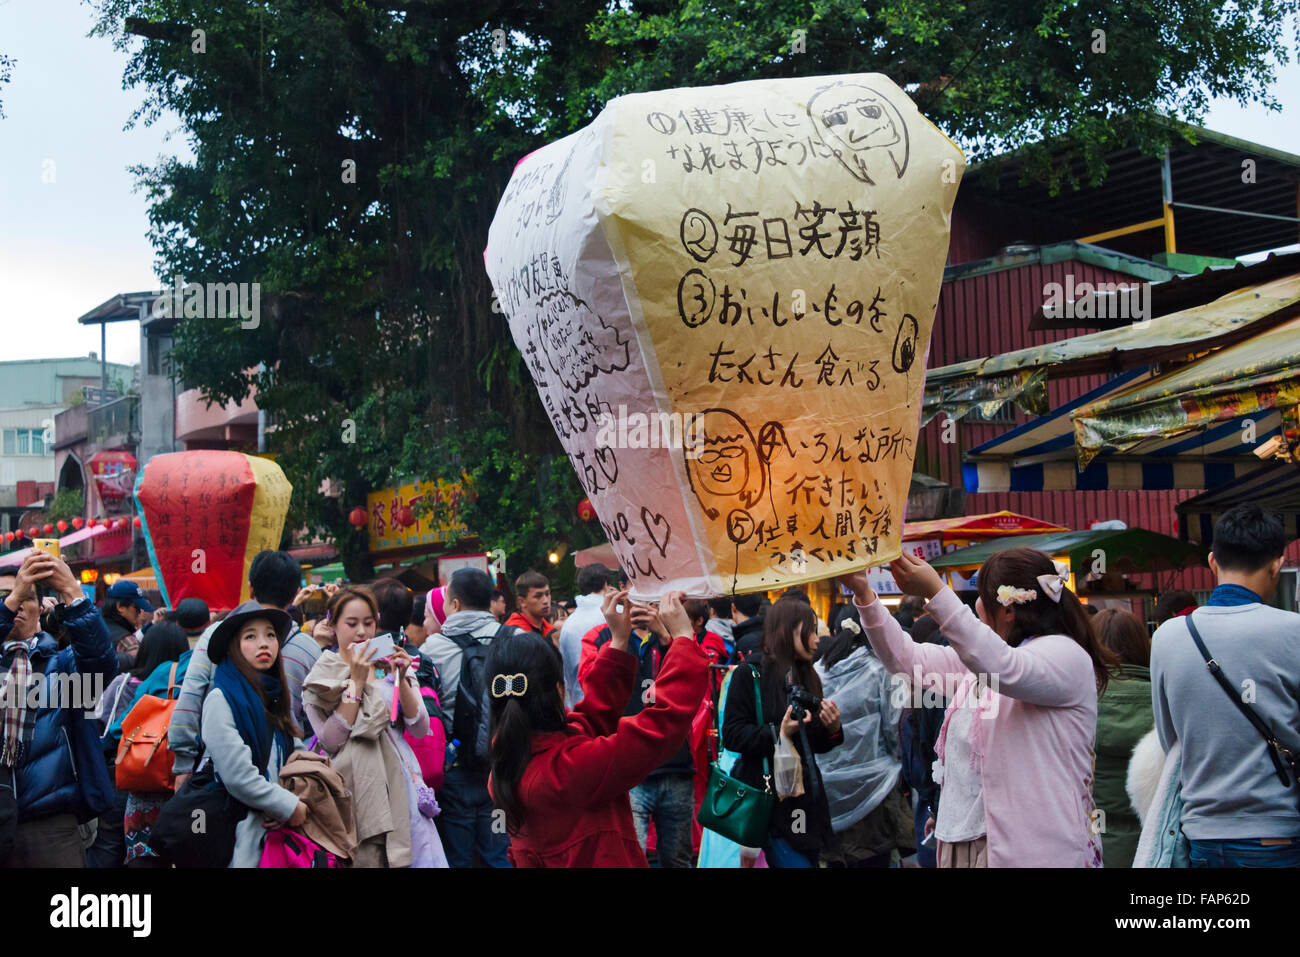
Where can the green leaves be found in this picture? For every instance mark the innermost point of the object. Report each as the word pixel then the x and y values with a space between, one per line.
pixel 375 304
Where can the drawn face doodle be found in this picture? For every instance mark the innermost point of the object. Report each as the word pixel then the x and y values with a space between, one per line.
pixel 853 119
pixel 722 460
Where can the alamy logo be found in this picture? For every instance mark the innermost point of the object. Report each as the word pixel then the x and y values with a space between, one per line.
pixel 211 300
pixel 1104 300
pixel 640 430
pixel 77 910
pixel 62 691
pixel 934 690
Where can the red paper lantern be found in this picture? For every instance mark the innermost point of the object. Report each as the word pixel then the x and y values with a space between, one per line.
pixel 61 525
pixel 113 474
pixel 405 516
pixel 33 531
pixel 358 516
pixel 9 536
pixel 586 511
pixel 19 533
pixel 78 522
pixel 92 522
pixel 136 521
pixel 48 528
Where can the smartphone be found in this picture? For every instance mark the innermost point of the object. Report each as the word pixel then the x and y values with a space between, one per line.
pixel 48 545
pixel 381 646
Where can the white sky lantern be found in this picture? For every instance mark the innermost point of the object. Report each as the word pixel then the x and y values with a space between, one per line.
pixel 724 296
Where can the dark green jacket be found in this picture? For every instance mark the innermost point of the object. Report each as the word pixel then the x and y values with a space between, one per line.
pixel 1123 717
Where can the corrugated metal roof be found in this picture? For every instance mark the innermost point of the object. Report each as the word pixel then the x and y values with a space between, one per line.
pixel 1208 172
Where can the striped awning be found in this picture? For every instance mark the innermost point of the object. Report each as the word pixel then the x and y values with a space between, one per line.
pixel 990 382
pixel 1041 456
pixel 1255 382
pixel 1275 487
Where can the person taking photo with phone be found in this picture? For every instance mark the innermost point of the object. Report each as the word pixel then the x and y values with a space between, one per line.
pixel 52 772
pixel 349 699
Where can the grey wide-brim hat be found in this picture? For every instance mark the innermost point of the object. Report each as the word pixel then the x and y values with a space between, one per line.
pixel 228 629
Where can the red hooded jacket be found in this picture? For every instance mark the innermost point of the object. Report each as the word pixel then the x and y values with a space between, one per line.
pixel 573 793
pixel 520 620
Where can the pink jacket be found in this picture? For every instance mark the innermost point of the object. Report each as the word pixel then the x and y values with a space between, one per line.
pixel 1038 756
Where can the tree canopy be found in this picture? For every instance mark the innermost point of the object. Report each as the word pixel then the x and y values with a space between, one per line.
pixel 349 156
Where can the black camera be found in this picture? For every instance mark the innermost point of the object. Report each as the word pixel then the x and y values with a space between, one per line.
pixel 802 701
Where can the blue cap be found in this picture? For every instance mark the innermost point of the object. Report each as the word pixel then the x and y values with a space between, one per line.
pixel 128 591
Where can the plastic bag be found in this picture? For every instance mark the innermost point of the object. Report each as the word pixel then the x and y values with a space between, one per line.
pixel 787 769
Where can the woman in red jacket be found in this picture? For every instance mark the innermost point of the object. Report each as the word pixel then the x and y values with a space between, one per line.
pixel 562 778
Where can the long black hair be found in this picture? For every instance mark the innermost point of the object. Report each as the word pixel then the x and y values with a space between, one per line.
pixel 164 641
pixel 516 718
pixel 778 648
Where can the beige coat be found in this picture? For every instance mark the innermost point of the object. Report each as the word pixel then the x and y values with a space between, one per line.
pixel 367 759
pixel 320 786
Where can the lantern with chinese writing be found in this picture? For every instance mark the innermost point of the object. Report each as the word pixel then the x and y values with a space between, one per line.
pixel 732 350
pixel 205 515
pixel 113 474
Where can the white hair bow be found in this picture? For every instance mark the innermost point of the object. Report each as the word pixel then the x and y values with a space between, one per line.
pixel 1054 585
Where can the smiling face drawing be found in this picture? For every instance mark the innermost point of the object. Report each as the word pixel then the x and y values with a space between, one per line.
pixel 722 460
pixel 853 119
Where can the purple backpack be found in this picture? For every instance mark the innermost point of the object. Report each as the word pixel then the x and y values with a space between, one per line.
pixel 285 848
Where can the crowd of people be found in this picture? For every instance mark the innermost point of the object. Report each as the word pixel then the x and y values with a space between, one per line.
pixel 370 726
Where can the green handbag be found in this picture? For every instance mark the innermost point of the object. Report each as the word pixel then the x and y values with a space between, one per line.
pixel 738 811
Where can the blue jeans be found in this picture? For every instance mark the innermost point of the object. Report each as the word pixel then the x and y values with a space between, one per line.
pixel 1244 853
pixel 779 853
pixel 466 822
pixel 668 799
pixel 109 849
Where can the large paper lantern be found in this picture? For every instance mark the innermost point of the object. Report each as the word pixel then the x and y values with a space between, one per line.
pixel 724 296
pixel 206 514
pixel 113 474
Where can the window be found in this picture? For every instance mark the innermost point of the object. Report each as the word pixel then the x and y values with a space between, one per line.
pixel 23 442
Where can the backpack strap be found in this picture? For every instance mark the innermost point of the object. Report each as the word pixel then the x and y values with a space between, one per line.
pixel 1276 750
pixel 463 642
pixel 116 699
pixel 171 679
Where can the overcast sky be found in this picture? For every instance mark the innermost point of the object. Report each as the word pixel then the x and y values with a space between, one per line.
pixel 68 245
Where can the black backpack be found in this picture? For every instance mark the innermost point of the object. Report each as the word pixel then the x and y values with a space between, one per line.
pixel 469 724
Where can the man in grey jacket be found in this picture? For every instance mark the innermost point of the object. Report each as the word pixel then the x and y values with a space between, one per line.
pixel 273 578
pixel 1236 810
pixel 467 822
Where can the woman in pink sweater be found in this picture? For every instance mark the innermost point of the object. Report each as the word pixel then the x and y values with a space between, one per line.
pixel 1022 677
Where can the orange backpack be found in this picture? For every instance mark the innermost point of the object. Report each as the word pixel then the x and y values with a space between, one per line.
pixel 144 762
